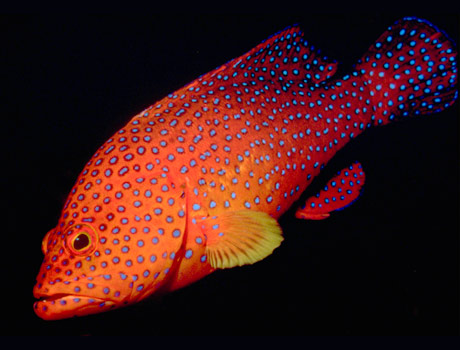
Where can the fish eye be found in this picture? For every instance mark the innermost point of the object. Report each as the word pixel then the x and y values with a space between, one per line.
pixel 81 241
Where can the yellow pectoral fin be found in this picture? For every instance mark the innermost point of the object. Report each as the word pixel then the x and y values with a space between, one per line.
pixel 240 237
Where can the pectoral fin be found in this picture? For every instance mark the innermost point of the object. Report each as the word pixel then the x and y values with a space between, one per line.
pixel 239 238
pixel 342 190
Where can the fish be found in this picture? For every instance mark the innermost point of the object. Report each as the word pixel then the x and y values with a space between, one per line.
pixel 197 181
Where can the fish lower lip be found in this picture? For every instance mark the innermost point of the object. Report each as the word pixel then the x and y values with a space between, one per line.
pixel 59 306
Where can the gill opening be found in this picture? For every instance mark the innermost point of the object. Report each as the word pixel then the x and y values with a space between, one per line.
pixel 174 269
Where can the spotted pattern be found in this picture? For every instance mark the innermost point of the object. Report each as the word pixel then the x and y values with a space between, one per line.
pixel 342 190
pixel 252 135
pixel 410 70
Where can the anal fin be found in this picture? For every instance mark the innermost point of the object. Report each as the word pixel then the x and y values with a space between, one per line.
pixel 342 190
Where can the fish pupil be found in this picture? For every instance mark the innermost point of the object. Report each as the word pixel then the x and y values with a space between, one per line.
pixel 81 241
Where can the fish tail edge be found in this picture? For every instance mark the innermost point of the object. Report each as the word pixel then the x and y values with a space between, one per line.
pixel 410 70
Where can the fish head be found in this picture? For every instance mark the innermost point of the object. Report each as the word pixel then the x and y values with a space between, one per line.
pixel 67 283
pixel 106 254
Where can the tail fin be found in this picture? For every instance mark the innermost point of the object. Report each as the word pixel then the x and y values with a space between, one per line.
pixel 410 70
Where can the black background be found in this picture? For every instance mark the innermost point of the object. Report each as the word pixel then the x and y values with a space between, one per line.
pixel 388 264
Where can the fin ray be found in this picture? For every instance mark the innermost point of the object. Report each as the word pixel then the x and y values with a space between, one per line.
pixel 239 238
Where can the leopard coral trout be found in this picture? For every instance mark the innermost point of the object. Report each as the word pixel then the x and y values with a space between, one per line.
pixel 197 181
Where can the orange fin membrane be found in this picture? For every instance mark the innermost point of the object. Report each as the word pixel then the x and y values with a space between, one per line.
pixel 341 191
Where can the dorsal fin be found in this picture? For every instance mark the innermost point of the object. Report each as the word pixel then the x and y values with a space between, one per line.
pixel 285 57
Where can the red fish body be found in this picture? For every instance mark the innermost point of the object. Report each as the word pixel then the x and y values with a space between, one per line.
pixel 196 182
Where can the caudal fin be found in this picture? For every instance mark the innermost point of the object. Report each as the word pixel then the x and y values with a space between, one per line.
pixel 410 70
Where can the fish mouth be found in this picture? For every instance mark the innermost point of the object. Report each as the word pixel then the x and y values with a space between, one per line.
pixel 59 306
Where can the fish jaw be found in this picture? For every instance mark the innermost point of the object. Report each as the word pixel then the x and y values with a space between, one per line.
pixel 70 298
pixel 67 305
